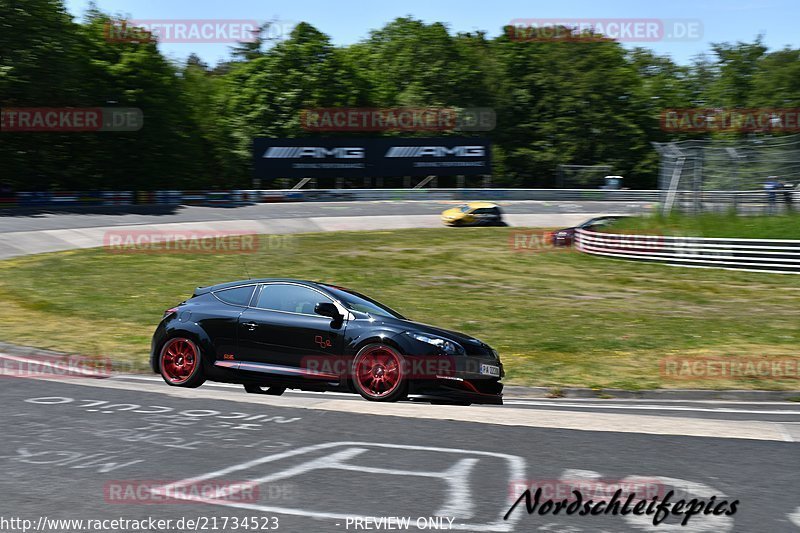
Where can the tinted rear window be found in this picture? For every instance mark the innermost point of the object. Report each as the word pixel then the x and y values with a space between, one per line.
pixel 238 296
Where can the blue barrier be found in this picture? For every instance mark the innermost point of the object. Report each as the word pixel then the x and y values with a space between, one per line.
pixel 34 198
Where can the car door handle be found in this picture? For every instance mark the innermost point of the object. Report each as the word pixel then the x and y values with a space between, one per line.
pixel 250 325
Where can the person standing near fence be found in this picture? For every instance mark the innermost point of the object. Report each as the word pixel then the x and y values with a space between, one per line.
pixel 770 186
pixel 788 191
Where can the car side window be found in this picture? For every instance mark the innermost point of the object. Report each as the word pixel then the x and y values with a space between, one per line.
pixel 289 298
pixel 237 296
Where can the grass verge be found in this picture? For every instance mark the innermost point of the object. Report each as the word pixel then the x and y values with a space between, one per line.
pixel 784 226
pixel 557 318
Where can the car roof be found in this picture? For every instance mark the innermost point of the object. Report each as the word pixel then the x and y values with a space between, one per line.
pixel 606 217
pixel 481 205
pixel 229 284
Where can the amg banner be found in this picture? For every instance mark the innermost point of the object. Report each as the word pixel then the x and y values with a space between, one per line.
pixel 371 157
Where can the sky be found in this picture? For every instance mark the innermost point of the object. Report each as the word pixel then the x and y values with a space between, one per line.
pixel 348 21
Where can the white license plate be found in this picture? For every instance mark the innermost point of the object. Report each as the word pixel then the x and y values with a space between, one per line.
pixel 490 370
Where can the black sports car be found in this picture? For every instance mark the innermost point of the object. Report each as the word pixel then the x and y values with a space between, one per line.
pixel 274 334
pixel 566 236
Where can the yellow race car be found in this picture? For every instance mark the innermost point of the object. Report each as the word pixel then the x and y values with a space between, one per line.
pixel 474 214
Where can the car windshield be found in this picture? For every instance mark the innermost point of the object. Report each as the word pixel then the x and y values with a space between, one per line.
pixel 358 302
pixel 464 208
pixel 596 221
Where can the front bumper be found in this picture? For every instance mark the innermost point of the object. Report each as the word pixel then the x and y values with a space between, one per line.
pixel 489 392
pixel 461 381
pixel 563 240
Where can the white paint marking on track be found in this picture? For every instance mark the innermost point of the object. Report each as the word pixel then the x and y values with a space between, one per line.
pixel 651 408
pixel 542 418
pixel 794 518
pixel 506 416
pixel 237 387
pixel 454 477
pixel 550 403
pixel 782 431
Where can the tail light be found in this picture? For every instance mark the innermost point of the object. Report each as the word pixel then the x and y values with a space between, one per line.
pixel 169 312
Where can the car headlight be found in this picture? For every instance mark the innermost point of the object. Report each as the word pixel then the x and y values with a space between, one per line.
pixel 446 345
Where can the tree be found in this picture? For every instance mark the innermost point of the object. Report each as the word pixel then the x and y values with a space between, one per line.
pixel 568 103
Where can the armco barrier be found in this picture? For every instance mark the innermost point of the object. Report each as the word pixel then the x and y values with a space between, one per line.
pixel 758 255
pixel 145 197
pixel 117 197
pixel 216 198
pixel 168 197
pixel 234 197
pixel 7 202
pixel 34 199
pixel 193 197
pixel 683 198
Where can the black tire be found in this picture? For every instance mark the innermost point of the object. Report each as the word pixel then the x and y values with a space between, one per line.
pixel 378 373
pixel 180 362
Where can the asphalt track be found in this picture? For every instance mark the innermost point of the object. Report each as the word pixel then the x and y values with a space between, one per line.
pixel 31 232
pixel 31 220
pixel 318 459
pixel 102 449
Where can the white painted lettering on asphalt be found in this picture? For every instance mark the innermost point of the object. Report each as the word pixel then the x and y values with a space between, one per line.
pixel 457 479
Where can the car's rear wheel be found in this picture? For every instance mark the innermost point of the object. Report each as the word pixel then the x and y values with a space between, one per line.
pixel 378 373
pixel 181 363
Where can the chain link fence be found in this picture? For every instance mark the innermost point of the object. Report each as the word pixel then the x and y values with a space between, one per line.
pixel 760 174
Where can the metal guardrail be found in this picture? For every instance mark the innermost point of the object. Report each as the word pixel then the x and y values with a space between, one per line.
pixel 757 255
pixel 234 197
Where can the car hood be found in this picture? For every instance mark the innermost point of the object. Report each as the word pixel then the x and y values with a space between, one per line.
pixel 470 344
pixel 452 213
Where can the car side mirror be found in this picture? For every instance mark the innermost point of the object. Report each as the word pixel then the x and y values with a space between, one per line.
pixel 327 309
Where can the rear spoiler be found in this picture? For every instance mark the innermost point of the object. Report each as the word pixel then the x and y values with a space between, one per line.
pixel 201 290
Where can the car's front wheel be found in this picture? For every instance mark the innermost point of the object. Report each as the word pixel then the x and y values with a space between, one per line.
pixel 378 373
pixel 181 363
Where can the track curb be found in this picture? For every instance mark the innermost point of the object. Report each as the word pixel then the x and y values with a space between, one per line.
pixel 517 392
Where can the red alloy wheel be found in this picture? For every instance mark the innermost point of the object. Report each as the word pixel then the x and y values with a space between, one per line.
pixel 378 372
pixel 179 360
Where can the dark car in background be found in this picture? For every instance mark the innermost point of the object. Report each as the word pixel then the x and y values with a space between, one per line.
pixel 566 236
pixel 276 334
